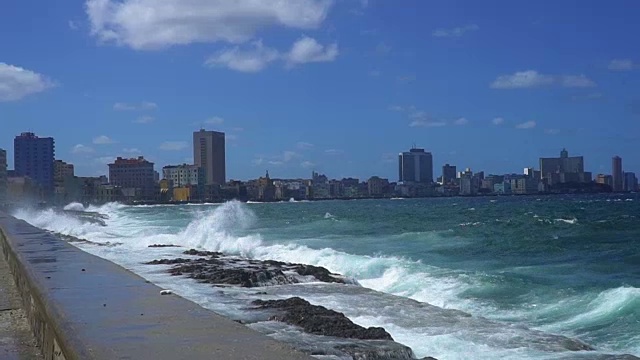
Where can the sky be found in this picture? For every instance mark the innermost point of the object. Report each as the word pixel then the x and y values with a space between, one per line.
pixel 340 87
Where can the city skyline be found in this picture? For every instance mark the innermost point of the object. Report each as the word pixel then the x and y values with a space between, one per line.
pixel 340 90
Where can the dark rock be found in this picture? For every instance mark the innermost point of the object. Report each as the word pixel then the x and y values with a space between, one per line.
pixel 319 320
pixel 168 261
pixel 195 252
pixel 219 269
pixel 162 246
pixel 382 350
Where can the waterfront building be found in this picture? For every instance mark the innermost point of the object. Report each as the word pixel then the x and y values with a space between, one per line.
pixel 34 157
pixel 3 177
pixel 502 188
pixel 184 175
pixel 209 154
pixel 469 183
pixel 604 179
pixel 136 174
pixel 630 182
pixel 448 174
pixel 563 169
pixel 62 171
pixel 378 186
pixel 616 173
pixel 416 165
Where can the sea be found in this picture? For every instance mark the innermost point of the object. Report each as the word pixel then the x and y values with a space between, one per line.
pixel 452 278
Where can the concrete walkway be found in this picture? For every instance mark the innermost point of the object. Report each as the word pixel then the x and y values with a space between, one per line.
pixel 16 338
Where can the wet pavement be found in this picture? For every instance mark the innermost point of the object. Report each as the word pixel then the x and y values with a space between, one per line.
pixel 16 338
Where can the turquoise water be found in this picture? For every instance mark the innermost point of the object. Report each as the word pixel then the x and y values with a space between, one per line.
pixel 561 265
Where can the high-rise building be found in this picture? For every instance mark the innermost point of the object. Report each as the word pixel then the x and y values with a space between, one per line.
pixel 616 173
pixel 183 175
pixel 630 182
pixel 134 173
pixel 416 165
pixel 33 157
pixel 563 168
pixel 448 174
pixel 62 172
pixel 3 176
pixel 209 154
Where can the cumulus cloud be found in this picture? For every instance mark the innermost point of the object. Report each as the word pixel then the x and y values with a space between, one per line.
pixel 334 152
pixel 102 140
pixel 174 145
pixel 152 24
pixel 307 164
pixel 622 65
pixel 144 119
pixel 215 120
pixel 133 151
pixel 461 121
pixel 308 50
pixel 455 32
pixel 289 155
pixel 81 149
pixel 497 121
pixel 17 83
pixel 526 125
pixel 425 123
pixel 145 105
pixel 304 145
pixel 252 59
pixel 532 79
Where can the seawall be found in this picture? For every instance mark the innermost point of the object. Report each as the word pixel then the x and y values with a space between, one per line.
pixel 83 307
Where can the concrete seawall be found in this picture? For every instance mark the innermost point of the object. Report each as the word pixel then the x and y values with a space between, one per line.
pixel 83 307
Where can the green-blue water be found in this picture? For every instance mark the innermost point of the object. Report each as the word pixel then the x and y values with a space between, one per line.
pixel 563 265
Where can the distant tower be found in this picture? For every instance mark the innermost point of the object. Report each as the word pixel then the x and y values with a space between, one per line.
pixel 416 165
pixel 616 173
pixel 564 154
pixel 33 157
pixel 209 154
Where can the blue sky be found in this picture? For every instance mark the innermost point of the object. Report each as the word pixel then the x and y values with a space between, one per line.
pixel 335 86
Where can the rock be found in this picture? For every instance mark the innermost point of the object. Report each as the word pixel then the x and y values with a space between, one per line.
pixel 195 252
pixel 219 269
pixel 319 320
pixel 162 246
pixel 166 292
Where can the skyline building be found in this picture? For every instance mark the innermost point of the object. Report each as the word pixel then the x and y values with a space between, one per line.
pixel 3 176
pixel 135 173
pixel 616 173
pixel 209 154
pixel 416 165
pixel 184 175
pixel 34 157
pixel 564 169
pixel 449 174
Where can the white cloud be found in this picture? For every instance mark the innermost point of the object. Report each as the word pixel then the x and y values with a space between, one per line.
pixel 622 65
pixel 308 50
pixel 17 83
pixel 383 49
pixel 497 121
pixel 425 123
pixel 81 149
pixel 72 25
pixel 455 32
pixel 334 152
pixel 307 164
pixel 552 131
pixel 304 145
pixel 216 120
pixel 576 81
pixel 257 161
pixel 134 151
pixel 531 79
pixel 254 59
pixel 526 125
pixel 275 162
pixel 174 145
pixel 289 155
pixel 145 105
pixel 461 121
pixel 152 24
pixel 102 140
pixel 144 119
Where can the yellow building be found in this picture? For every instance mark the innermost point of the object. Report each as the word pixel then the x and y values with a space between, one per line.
pixel 182 194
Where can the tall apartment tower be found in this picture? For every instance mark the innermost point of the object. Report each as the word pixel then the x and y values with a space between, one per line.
pixel 616 173
pixel 448 174
pixel 34 157
pixel 3 176
pixel 416 165
pixel 209 154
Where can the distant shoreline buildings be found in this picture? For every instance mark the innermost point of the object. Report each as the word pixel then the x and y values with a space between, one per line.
pixel 40 178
